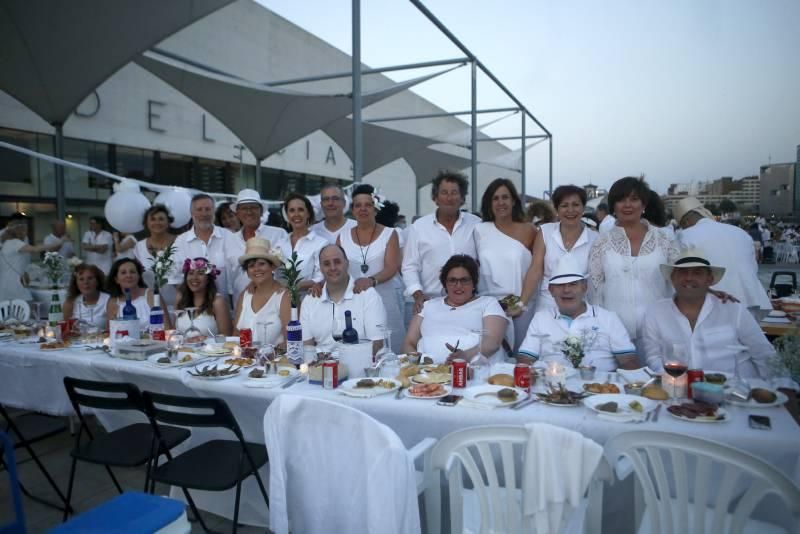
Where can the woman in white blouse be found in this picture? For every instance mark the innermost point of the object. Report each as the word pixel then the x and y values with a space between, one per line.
pixel 85 301
pixel 448 327
pixel 299 213
pixel 373 252
pixel 199 290
pixel 157 220
pixel 505 244
pixel 127 274
pixel 624 262
pixel 567 236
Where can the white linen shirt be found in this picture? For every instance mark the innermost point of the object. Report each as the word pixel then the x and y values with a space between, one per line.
pixel 719 326
pixel 321 230
pixel 101 259
pixel 219 248
pixel 237 277
pixel 610 336
pixel 67 249
pixel 429 246
pixel 319 316
pixel 731 247
pixel 307 248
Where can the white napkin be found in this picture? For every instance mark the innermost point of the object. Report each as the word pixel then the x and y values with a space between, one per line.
pixel 475 404
pixel 635 375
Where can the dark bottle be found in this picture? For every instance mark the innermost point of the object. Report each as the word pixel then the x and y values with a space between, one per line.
pixel 129 310
pixel 349 334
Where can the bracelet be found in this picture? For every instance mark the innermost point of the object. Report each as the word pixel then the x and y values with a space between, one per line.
pixel 374 281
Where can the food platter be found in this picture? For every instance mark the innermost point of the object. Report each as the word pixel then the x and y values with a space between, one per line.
pixel 54 346
pixel 414 392
pixel 623 402
pixel 184 358
pixel 213 352
pixel 488 394
pixel 780 400
pixel 568 399
pixel 244 363
pixel 368 387
pixel 431 378
pixel 596 388
pixel 720 415
pixel 214 372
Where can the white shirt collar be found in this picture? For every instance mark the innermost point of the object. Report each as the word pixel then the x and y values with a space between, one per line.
pixel 348 293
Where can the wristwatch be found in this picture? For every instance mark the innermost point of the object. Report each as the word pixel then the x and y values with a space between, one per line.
pixel 374 281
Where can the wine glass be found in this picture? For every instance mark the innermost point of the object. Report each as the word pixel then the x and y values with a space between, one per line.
pixel 540 342
pixel 192 333
pixel 262 331
pixel 676 364
pixel 266 355
pixel 174 342
pixel 738 386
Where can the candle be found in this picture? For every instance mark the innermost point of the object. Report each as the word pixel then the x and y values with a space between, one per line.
pixel 555 374
pixel 303 368
pixel 237 351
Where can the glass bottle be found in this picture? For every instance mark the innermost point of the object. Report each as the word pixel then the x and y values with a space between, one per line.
pixel 55 314
pixel 294 340
pixel 157 319
pixel 349 334
pixel 129 310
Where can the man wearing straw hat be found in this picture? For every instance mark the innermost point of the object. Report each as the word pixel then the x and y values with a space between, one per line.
pixel 724 245
pixel 714 333
pixel 605 340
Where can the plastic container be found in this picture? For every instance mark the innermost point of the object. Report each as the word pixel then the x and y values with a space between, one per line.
pixel 708 393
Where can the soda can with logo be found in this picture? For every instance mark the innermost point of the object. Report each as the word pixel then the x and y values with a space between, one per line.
pixel 692 376
pixel 245 337
pixel 330 374
pixel 522 376
pixel 459 373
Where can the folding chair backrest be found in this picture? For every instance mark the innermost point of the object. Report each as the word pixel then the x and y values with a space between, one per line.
pixel 9 459
pixel 679 474
pixel 103 395
pixel 15 309
pixel 489 456
pixel 190 411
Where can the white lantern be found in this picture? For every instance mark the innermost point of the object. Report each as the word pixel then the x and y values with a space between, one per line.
pixel 125 209
pixel 179 204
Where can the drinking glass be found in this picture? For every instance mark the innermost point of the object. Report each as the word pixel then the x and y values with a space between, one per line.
pixel 192 333
pixel 262 331
pixel 676 363
pixel 266 355
pixel 738 386
pixel 540 339
pixel 479 364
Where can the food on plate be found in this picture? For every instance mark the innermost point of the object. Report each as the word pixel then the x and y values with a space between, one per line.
pixel 404 381
pixel 610 407
pixel 763 396
pixel 426 360
pixel 432 378
pixel 427 390
pixel 53 345
pixel 196 339
pixel 284 372
pixel 561 395
pixel 596 387
pixel 654 393
pixel 715 378
pixel 409 370
pixel 229 345
pixel 510 302
pixel 369 383
pixel 636 406
pixel 441 368
pixel 164 359
pixel 241 362
pixel 186 358
pixel 256 373
pixel 695 410
pixel 502 379
pixel 507 395
pixel 213 371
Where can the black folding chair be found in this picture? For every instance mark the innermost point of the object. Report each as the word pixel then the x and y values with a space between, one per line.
pixel 215 465
pixel 130 446
pixel 27 429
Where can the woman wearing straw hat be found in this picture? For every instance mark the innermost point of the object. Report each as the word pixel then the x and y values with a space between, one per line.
pixel 264 306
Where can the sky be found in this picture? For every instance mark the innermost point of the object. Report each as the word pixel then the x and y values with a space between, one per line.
pixel 678 90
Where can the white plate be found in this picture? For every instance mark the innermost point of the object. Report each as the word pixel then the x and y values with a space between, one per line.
pixel 475 394
pixel 622 400
pixel 153 360
pixel 561 405
pixel 54 350
pixel 421 379
pixel 720 411
pixel 779 401
pixel 225 377
pixel 292 372
pixel 349 388
pixel 213 354
pixel 447 391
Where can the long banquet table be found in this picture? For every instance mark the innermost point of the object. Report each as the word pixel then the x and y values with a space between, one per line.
pixel 32 379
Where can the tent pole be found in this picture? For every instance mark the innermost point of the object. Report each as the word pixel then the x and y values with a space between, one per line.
pixel 523 187
pixel 61 211
pixel 258 174
pixel 437 115
pixel 357 126
pixel 550 181
pixel 474 132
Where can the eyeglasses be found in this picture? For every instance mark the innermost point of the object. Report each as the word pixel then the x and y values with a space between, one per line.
pixel 331 199
pixel 467 281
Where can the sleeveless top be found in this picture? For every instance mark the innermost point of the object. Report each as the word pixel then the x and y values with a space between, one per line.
pixel 204 322
pixel 554 249
pixel 94 314
pixel 142 310
pixel 504 261
pixel 374 253
pixel 269 314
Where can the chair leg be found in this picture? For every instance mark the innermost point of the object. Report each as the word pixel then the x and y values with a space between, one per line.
pixel 111 474
pixel 236 506
pixel 49 478
pixel 195 511
pixel 261 487
pixel 68 508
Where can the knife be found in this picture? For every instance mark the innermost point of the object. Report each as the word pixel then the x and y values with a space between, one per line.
pixel 529 400
pixel 655 414
pixel 291 381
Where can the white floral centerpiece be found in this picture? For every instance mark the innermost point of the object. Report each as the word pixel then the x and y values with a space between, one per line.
pixel 786 361
pixel 162 264
pixel 575 348
pixel 54 267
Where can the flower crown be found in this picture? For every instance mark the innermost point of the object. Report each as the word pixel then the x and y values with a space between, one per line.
pixel 201 264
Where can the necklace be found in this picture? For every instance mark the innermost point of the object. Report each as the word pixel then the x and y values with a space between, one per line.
pixel 571 243
pixel 364 266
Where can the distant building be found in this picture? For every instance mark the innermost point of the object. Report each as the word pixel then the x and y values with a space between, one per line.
pixel 779 191
pixel 745 193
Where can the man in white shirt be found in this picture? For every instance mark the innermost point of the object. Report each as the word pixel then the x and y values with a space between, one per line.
pixel 710 331
pixel 204 240
pixel 59 234
pixel 604 218
pixel 724 245
pixel 98 245
pixel 249 210
pixel 434 238
pixel 605 340
pixel 333 205
pixel 323 317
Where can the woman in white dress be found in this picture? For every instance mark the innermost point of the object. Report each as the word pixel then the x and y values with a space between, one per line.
pixel 448 327
pixel 567 236
pixel 85 301
pixel 624 262
pixel 265 306
pixel 505 242
pixel 126 274
pixel 373 251
pixel 299 213
pixel 157 220
pixel 15 256
pixel 199 290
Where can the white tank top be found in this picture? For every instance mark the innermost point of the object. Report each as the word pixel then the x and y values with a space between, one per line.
pixel 142 310
pixel 373 254
pixel 269 313
pixel 94 314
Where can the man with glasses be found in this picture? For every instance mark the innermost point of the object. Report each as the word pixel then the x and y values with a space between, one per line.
pixel 434 238
pixel 332 198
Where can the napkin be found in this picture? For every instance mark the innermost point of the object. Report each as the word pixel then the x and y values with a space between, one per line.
pixel 635 375
pixel 475 404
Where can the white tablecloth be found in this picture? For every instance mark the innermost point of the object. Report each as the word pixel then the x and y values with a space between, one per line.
pixel 32 379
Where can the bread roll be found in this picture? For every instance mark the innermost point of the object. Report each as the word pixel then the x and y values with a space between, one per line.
pixel 502 380
pixel 655 393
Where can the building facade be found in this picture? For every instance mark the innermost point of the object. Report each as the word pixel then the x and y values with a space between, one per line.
pixel 779 197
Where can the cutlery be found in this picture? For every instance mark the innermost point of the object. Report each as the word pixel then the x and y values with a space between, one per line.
pixel 399 395
pixel 529 400
pixel 655 414
pixel 291 381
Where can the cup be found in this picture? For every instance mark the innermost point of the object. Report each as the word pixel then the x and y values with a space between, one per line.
pixel 219 339
pixel 634 388
pixel 372 372
pixel 587 372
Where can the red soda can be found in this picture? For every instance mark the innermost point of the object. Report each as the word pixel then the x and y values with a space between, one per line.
pixel 459 373
pixel 245 337
pixel 330 374
pixel 693 375
pixel 122 333
pixel 522 376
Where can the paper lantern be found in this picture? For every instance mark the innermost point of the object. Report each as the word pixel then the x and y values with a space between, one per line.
pixel 179 204
pixel 125 209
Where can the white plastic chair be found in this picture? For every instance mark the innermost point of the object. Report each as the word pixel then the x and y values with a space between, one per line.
pixel 14 309
pixel 336 469
pixel 491 457
pixel 692 485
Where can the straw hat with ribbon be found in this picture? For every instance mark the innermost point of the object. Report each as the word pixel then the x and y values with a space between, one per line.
pixel 257 248
pixel 690 204
pixel 692 258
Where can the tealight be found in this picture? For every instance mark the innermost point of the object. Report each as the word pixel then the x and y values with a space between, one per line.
pixel 555 374
pixel 304 368
pixel 237 351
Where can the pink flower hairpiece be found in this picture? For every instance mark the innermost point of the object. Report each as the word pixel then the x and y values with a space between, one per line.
pixel 201 264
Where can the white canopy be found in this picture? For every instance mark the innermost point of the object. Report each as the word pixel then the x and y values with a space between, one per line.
pixel 53 54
